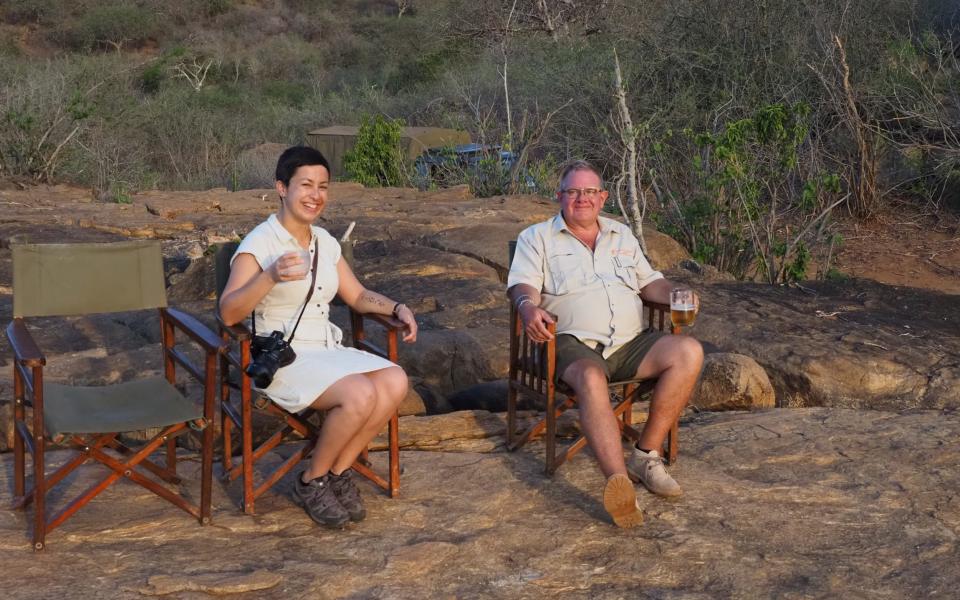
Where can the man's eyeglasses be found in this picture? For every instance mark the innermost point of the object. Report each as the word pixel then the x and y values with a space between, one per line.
pixel 573 193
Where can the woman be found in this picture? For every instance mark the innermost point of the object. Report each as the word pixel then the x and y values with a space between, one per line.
pixel 271 277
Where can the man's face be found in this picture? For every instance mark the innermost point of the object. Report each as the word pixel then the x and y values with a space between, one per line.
pixel 581 198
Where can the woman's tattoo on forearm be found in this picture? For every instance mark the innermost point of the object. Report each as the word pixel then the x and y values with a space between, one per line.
pixel 373 298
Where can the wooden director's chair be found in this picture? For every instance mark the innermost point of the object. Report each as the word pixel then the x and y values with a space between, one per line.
pixel 532 373
pixel 79 279
pixel 237 409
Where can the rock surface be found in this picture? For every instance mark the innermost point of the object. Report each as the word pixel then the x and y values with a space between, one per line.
pixel 849 344
pixel 781 503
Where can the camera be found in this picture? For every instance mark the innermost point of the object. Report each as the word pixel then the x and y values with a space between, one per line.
pixel 270 352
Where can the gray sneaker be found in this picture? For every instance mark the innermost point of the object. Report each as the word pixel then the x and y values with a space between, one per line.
pixel 648 469
pixel 348 494
pixel 319 500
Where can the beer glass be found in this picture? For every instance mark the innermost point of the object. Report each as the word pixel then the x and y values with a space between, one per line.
pixel 683 309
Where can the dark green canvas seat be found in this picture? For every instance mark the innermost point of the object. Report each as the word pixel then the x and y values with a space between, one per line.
pixel 78 279
pixel 83 409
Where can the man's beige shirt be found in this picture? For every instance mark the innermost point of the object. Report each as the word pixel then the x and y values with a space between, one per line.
pixel 594 294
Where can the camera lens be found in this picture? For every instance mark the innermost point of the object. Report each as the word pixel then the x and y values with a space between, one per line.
pixel 261 371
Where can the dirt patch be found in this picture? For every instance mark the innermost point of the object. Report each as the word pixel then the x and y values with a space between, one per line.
pixel 904 247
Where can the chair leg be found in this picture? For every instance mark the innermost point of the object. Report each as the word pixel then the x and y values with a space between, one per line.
pixel 246 418
pixel 394 439
pixel 511 414
pixel 19 458
pixel 39 494
pixel 673 443
pixel 551 435
pixel 226 430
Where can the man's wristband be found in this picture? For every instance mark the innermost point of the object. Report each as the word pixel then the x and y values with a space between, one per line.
pixel 396 307
pixel 521 299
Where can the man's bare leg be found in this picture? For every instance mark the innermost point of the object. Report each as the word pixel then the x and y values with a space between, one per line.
pixel 599 424
pixel 676 362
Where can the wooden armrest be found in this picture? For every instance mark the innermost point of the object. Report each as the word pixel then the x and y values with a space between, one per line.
pixel 388 321
pixel 657 306
pixel 25 350
pixel 194 329
pixel 237 331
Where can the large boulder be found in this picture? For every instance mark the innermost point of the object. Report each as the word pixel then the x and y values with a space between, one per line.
pixel 732 382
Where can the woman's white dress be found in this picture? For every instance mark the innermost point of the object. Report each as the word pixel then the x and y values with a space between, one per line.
pixel 321 357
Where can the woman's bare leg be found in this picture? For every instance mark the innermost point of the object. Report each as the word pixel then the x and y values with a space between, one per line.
pixel 348 403
pixel 391 388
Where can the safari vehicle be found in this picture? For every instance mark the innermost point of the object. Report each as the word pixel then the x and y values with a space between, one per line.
pixel 446 165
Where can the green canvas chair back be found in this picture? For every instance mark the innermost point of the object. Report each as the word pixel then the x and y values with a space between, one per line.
pixel 80 279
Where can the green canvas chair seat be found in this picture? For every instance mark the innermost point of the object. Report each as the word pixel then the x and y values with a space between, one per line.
pixel 115 408
pixel 81 279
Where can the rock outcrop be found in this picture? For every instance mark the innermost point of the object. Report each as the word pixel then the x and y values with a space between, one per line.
pixel 827 503
pixel 848 344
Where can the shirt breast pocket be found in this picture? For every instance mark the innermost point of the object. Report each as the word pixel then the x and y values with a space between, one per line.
pixel 566 273
pixel 626 270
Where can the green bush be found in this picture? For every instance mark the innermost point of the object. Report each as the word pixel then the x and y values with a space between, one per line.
pixel 377 158
pixel 112 26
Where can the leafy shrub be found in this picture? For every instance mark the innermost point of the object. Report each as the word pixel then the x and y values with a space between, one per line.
pixel 746 214
pixel 111 27
pixel 377 159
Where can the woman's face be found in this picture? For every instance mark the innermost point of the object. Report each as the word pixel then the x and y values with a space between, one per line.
pixel 306 196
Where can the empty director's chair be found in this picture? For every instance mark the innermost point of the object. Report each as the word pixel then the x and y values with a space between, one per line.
pixel 533 373
pixel 237 403
pixel 78 279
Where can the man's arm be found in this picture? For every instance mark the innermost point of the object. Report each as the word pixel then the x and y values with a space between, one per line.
pixel 526 299
pixel 659 291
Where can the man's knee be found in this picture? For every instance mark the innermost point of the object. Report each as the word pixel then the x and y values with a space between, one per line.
pixel 690 353
pixel 583 375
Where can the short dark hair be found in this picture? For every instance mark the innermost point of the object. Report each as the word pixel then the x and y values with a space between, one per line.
pixel 578 165
pixel 295 157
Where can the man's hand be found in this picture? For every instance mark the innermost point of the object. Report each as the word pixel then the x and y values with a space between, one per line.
pixel 535 321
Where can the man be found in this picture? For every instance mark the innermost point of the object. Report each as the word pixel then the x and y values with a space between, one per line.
pixel 589 271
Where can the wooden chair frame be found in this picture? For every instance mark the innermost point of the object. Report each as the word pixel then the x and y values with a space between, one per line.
pixel 28 392
pixel 533 370
pixel 238 357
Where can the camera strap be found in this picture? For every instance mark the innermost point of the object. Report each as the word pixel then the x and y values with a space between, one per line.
pixel 313 283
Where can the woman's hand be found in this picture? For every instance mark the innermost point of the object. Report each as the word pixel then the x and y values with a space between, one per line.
pixel 405 316
pixel 291 266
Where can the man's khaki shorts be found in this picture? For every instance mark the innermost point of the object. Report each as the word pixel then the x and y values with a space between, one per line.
pixel 621 365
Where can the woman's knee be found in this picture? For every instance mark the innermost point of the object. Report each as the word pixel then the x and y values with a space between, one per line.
pixel 394 385
pixel 360 399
